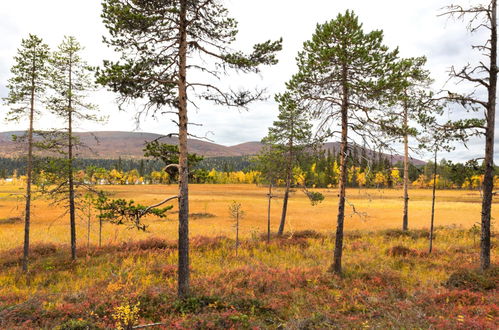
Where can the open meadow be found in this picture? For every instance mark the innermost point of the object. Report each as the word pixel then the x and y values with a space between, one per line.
pixel 390 280
pixel 375 209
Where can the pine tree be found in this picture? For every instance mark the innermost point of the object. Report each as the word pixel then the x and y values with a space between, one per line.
pixel 70 83
pixel 290 135
pixel 26 87
pixel 347 76
pixel 413 109
pixel 162 43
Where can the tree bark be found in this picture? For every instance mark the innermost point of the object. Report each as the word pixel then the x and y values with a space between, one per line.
pixel 237 233
pixel 29 171
pixel 338 248
pixel 183 215
pixel 289 169
pixel 284 206
pixel 268 213
pixel 405 220
pixel 488 182
pixel 433 197
pixel 72 209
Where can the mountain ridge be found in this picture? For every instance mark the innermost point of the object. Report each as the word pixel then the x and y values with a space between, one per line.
pixel 115 144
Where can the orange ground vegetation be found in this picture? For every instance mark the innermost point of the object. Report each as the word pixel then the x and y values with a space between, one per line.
pixel 390 280
pixel 375 209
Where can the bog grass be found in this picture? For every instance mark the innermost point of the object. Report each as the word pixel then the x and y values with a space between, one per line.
pixel 375 210
pixel 390 280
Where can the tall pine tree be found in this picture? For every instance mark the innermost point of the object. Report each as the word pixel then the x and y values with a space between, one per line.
pixel 26 87
pixel 346 76
pixel 289 136
pixel 164 46
pixel 70 83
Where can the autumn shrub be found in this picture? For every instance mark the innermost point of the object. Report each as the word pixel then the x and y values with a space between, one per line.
pixel 152 243
pixel 401 251
pixel 77 324
pixel 205 243
pixel 475 280
pixel 308 234
pixel 315 321
pixel 39 250
pixel 413 234
pixel 193 304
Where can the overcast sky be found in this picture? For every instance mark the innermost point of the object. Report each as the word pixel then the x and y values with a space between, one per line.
pixel 413 26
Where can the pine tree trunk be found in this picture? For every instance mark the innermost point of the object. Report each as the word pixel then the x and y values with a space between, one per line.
pixel 100 229
pixel 488 181
pixel 289 170
pixel 338 248
pixel 29 172
pixel 433 197
pixel 183 215
pixel 72 209
pixel 284 206
pixel 237 232
pixel 405 220
pixel 268 213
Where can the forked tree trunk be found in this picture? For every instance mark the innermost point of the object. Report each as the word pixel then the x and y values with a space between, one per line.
pixel 405 220
pixel 183 203
pixel 433 197
pixel 338 248
pixel 488 181
pixel 29 171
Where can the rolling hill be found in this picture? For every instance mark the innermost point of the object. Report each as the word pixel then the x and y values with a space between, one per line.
pixel 111 145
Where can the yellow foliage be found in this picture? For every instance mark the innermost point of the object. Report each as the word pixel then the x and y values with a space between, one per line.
pixel 126 316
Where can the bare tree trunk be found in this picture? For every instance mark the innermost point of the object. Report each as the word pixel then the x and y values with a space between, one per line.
pixel 338 248
pixel 268 213
pixel 29 172
pixel 405 220
pixel 289 170
pixel 183 215
pixel 237 232
pixel 433 201
pixel 100 229
pixel 72 209
pixel 488 182
pixel 89 219
pixel 284 206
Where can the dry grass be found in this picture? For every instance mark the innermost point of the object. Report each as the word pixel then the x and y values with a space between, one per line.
pixel 378 209
pixel 390 281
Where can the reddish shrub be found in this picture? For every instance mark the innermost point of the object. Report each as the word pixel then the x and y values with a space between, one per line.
pixel 401 251
pixel 153 243
pixel 204 243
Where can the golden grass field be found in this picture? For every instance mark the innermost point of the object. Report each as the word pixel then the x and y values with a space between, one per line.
pixel 389 280
pixel 377 209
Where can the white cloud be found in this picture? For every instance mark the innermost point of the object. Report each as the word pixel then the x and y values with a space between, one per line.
pixel 411 25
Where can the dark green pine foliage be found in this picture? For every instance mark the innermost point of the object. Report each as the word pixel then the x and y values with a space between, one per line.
pixel 345 76
pixel 26 88
pixel 163 45
pixel 169 155
pixel 70 83
pixel 289 136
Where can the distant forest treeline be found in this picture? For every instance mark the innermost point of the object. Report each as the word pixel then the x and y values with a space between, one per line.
pixel 144 166
pixel 319 171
